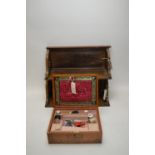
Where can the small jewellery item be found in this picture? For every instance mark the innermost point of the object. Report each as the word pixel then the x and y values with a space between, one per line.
pixel 58 112
pixel 68 123
pixel 57 117
pixel 79 123
pixel 75 112
pixel 90 115
pixel 91 118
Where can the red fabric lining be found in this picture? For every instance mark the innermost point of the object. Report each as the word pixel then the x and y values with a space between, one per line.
pixel 83 90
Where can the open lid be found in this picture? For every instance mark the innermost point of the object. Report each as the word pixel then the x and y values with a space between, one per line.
pixel 79 59
pixel 75 90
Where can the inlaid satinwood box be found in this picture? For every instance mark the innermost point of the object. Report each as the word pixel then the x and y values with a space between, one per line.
pixel 76 85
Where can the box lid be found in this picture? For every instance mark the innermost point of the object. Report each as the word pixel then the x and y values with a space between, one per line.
pixel 79 59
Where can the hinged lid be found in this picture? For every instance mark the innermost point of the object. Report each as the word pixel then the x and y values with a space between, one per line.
pixel 86 59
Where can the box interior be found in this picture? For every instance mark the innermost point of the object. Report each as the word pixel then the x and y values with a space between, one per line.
pixel 74 120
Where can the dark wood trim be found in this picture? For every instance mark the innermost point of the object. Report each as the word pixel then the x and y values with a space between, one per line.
pixel 62 47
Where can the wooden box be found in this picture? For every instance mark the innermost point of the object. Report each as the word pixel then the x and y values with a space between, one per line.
pixel 76 84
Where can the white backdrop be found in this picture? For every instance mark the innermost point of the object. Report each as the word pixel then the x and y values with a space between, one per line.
pixel 77 22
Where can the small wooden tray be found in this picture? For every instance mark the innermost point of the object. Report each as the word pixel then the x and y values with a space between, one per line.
pixel 89 133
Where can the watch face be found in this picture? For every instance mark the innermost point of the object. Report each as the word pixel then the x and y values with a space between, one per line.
pixel 81 90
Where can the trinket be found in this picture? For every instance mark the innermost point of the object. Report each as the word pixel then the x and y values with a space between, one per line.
pixel 85 111
pixel 79 123
pixel 91 118
pixel 68 123
pixel 58 112
pixel 57 117
pixel 75 112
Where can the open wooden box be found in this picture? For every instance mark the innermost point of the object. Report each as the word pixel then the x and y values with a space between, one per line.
pixel 76 84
